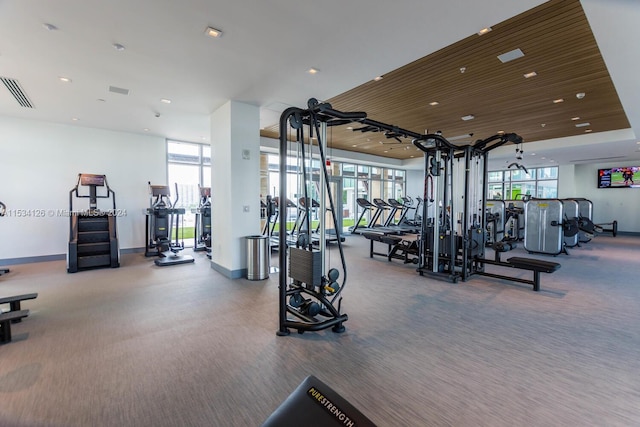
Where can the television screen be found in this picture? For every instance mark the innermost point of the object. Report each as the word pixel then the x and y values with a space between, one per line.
pixel 619 177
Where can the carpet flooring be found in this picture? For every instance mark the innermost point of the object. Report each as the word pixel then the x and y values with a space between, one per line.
pixel 183 346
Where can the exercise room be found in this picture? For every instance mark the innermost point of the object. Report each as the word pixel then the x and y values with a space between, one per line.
pixel 266 214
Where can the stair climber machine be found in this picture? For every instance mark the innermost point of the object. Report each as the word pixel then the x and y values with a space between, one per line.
pixel 163 220
pixel 93 237
pixel 202 234
pixel 309 295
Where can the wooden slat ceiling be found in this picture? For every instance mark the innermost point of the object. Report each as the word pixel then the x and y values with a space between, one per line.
pixel 558 45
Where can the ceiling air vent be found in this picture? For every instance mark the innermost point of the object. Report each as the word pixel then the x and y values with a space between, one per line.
pixel 14 87
pixel 119 90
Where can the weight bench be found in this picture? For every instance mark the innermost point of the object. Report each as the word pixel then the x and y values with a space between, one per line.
pixel 389 240
pixel 14 303
pixel 5 323
pixel 315 404
pixel 535 265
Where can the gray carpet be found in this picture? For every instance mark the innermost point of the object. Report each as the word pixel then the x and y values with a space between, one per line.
pixel 183 346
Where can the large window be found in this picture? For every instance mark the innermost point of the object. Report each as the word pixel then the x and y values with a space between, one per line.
pixel 357 181
pixel 188 166
pixel 515 184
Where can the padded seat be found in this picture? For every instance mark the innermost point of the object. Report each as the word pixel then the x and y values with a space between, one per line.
pixel 534 264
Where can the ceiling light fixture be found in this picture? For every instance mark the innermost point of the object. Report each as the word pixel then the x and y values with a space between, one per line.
pixel 312 70
pixel 580 95
pixel 75 119
pixel 434 103
pixel 49 27
pixel 582 125
pixel 588 130
pixel 484 31
pixel 377 79
pixel 119 47
pixel 558 101
pixel 64 79
pixel 212 32
pixel 165 101
pixel 468 117
pixel 575 118
pixel 462 70
pixel 531 74
pixel 146 129
pixel 511 55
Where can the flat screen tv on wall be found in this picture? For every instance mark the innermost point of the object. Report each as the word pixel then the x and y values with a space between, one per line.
pixel 619 177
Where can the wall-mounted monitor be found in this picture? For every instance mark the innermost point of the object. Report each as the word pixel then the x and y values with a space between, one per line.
pixel 619 177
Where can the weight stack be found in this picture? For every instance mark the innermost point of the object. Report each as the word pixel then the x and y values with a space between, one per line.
pixel 305 266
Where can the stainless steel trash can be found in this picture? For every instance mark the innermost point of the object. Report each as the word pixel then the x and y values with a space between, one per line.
pixel 258 257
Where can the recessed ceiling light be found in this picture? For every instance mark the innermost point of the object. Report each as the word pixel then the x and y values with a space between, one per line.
pixel 312 70
pixel 412 156
pixel 75 119
pixel 484 31
pixel 580 95
pixel 533 154
pixel 468 117
pixel 212 32
pixel 119 47
pixel 354 145
pixel 500 132
pixel 581 125
pixel 49 27
pixel 588 130
pixel 511 55
pixel 543 124
pixel 349 127
pixel 377 79
pixel 434 103
pixel 386 151
pixel 462 70
pixel 64 79
pixel 575 118
pixel 146 129
pixel 531 74
pixel 558 101
pixel 165 101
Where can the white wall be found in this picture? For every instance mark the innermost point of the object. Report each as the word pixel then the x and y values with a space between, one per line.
pixel 40 164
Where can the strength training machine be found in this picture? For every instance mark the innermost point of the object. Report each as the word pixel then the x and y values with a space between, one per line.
pixel 309 298
pixel 93 237
pixel 163 221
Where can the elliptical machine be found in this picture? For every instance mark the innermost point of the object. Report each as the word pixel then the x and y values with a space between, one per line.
pixel 202 235
pixel 160 226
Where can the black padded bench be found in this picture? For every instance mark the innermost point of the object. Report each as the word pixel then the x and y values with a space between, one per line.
pixel 315 404
pixel 389 240
pixel 14 302
pixel 535 265
pixel 5 323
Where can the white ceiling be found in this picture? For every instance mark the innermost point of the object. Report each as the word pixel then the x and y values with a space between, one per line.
pixel 262 59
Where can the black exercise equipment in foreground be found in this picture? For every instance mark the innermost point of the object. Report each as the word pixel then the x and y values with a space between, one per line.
pixel 93 237
pixel 202 233
pixel 15 301
pixel 163 221
pixel 315 404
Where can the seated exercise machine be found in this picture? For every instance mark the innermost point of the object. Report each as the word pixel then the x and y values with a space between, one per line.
pixel 163 221
pixel 93 237
pixel 202 232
